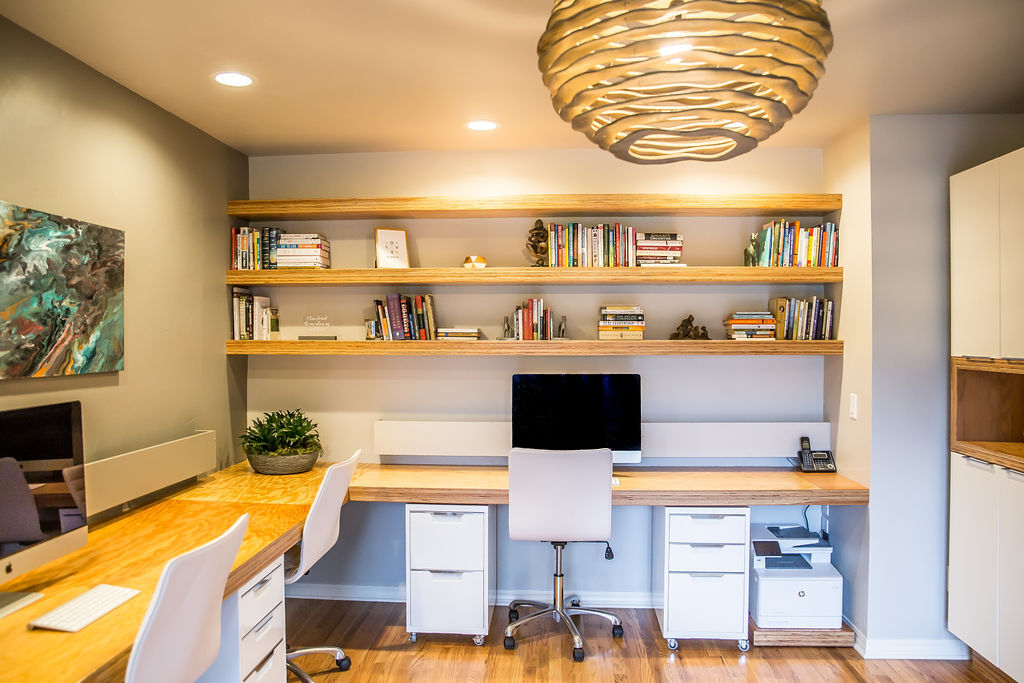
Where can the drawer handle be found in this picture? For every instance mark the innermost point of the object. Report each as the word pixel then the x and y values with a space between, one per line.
pixel 263 583
pixel 707 575
pixel 264 664
pixel 978 461
pixel 707 546
pixel 1015 474
pixel 447 514
pixel 263 624
pixel 446 571
pixel 707 516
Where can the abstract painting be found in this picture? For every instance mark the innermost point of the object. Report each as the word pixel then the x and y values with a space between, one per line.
pixel 61 295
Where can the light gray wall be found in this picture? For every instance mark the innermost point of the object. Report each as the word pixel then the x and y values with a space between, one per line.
pixel 75 143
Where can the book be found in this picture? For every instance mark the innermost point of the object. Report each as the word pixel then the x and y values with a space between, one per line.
pixel 611 335
pixel 657 236
pixel 259 306
pixel 394 308
pixel 431 322
pixel 403 304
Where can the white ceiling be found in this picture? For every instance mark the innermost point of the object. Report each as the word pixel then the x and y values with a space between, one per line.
pixel 395 75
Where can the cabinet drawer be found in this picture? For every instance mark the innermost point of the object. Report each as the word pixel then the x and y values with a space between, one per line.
pixel 706 604
pixel 447 602
pixel 712 527
pixel 261 640
pixel 446 540
pixel 706 557
pixel 271 669
pixel 259 597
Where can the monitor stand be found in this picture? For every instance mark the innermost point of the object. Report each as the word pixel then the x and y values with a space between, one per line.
pixel 12 602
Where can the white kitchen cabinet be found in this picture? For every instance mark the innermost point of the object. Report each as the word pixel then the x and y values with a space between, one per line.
pixel 1011 560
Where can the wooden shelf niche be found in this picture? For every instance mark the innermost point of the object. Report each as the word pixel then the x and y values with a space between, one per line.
pixel 987 410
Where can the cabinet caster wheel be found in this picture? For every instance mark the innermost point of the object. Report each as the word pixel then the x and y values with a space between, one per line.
pixel 344 664
pixel 577 654
pixel 743 645
pixel 673 644
pixel 510 643
pixel 513 615
pixel 412 637
pixel 616 630
pixel 478 640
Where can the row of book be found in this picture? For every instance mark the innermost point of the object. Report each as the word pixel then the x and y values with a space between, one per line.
pixel 531 320
pixel 401 317
pixel 621 322
pixel 272 248
pixel 803 318
pixel 253 318
pixel 785 243
pixel 750 325
pixel 610 246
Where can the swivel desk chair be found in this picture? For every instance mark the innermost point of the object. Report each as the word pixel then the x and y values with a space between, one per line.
pixel 319 534
pixel 566 496
pixel 180 634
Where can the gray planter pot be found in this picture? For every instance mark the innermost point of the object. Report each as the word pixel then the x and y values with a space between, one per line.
pixel 283 464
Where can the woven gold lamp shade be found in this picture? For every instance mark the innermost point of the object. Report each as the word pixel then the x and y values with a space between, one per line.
pixel 657 81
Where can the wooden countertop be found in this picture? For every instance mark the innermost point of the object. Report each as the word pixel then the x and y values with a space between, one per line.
pixel 637 486
pixel 131 551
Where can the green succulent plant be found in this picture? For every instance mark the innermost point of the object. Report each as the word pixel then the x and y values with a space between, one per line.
pixel 283 432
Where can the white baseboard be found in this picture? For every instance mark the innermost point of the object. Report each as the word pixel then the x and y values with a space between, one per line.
pixel 908 648
pixel 327 591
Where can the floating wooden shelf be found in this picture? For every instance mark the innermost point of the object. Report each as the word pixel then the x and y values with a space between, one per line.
pixel 556 347
pixel 802 637
pixel 987 410
pixel 537 206
pixel 722 275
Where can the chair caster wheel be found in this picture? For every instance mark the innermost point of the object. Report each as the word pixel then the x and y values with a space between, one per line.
pixel 478 640
pixel 513 615
pixel 577 654
pixel 616 630
pixel 412 637
pixel 673 644
pixel 743 645
pixel 510 643
pixel 344 664
pixel 574 603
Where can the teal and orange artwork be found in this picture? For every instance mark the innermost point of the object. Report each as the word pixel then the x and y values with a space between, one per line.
pixel 61 295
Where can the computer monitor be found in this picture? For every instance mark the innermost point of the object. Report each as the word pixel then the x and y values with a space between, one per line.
pixel 574 411
pixel 42 491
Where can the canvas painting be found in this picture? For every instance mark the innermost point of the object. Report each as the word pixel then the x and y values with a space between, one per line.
pixel 61 295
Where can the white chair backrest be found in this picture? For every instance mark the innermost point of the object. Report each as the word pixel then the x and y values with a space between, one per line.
pixel 323 523
pixel 19 516
pixel 180 634
pixel 74 477
pixel 560 495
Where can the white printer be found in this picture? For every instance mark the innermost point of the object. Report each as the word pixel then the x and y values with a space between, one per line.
pixel 792 581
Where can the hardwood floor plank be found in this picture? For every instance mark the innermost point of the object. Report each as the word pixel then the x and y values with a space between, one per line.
pixel 374 636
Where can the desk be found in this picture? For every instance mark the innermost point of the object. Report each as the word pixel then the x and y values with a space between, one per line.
pixel 132 551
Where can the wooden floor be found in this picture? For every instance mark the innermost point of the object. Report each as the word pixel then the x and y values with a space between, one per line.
pixel 374 636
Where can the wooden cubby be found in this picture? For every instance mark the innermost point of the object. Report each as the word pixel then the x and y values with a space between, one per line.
pixel 987 410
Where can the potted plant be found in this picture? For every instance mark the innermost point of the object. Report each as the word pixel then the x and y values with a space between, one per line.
pixel 282 442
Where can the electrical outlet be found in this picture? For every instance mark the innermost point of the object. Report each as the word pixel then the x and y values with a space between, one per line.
pixel 853 406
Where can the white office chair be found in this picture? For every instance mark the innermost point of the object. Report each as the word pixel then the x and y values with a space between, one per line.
pixel 19 516
pixel 319 534
pixel 559 497
pixel 180 634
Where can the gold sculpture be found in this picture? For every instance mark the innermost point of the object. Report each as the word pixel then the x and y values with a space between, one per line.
pixel 656 81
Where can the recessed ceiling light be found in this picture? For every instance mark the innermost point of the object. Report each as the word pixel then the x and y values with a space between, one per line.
pixel 233 79
pixel 481 125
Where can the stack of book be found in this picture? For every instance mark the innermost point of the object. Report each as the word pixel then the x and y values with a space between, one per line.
pixel 301 250
pixel 658 249
pixel 803 318
pixel 621 322
pixel 785 243
pixel 531 321
pixel 401 317
pixel 750 325
pixel 601 246
pixel 252 318
pixel 458 333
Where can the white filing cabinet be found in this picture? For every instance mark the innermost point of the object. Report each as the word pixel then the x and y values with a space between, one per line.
pixel 252 646
pixel 449 569
pixel 699 572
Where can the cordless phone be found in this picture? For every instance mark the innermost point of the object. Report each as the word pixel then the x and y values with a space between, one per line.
pixel 815 461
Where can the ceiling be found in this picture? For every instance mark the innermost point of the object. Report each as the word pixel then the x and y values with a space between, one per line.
pixel 397 75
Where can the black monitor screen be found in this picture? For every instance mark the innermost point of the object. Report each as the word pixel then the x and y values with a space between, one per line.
pixel 44 439
pixel 568 412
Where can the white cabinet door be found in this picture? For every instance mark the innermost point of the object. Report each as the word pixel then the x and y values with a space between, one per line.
pixel 973 523
pixel 974 261
pixel 1011 250
pixel 1011 559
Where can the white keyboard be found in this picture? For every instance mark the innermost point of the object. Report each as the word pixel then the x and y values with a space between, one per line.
pixel 79 612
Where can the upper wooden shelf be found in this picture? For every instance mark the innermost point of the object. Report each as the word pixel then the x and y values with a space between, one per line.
pixel 537 205
pixel 726 275
pixel 554 347
pixel 1013 367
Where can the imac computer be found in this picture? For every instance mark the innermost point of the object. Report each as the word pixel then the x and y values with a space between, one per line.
pixel 42 491
pixel 576 411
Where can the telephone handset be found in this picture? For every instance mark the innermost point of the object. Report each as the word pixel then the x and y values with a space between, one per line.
pixel 814 461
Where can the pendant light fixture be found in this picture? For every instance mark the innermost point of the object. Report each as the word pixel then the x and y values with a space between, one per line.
pixel 657 81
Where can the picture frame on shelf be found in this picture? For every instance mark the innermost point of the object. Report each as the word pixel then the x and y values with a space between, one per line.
pixel 392 247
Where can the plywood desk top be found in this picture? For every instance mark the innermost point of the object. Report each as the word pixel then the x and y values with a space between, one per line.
pixel 637 486
pixel 131 551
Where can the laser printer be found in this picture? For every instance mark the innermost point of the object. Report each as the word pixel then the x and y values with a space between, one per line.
pixel 792 581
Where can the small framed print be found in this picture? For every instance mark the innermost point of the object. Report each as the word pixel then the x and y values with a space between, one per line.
pixel 392 247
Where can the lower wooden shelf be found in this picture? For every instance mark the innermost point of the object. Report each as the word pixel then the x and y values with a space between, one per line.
pixel 801 637
pixel 555 347
pixel 1005 453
